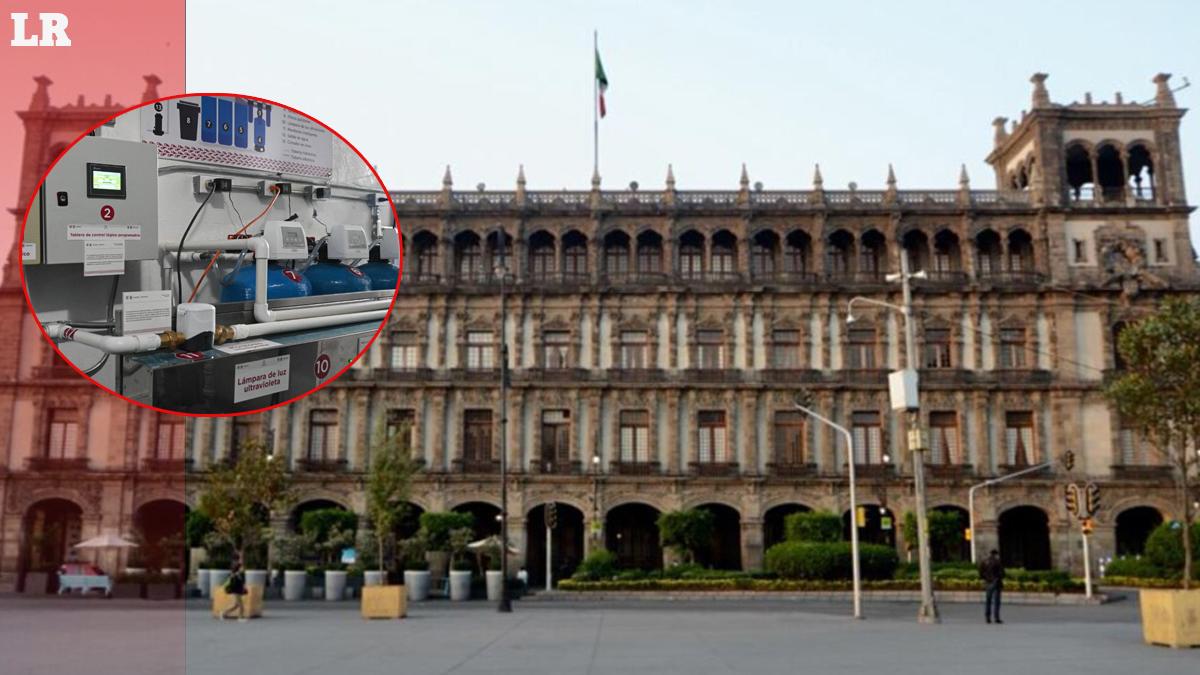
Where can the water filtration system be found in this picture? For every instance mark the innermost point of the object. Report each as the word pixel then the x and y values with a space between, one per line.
pixel 143 270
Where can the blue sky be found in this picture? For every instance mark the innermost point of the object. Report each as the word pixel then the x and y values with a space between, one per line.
pixel 485 86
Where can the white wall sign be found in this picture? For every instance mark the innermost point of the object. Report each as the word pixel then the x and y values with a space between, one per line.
pixel 244 346
pixel 260 378
pixel 28 251
pixel 145 312
pixel 96 231
pixel 232 131
pixel 103 258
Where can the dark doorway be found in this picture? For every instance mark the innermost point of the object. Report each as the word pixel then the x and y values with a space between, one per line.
pixel 51 528
pixel 948 542
pixel 486 523
pixel 1134 526
pixel 160 525
pixel 877 525
pixel 774 530
pixel 410 523
pixel 631 531
pixel 566 543
pixel 725 552
pixel 1025 538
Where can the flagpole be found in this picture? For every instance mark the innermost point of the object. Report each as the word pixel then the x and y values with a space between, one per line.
pixel 595 106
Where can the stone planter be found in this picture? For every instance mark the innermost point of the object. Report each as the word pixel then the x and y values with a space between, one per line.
pixel 294 582
pixel 374 578
pixel 495 584
pixel 256 578
pixel 460 585
pixel 438 562
pixel 204 582
pixel 417 582
pixel 217 579
pixel 1170 617
pixel 383 602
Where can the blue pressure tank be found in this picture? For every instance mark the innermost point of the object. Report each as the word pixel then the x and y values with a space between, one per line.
pixel 382 274
pixel 281 283
pixel 331 276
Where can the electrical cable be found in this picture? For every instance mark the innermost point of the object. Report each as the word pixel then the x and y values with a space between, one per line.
pixel 216 254
pixel 179 254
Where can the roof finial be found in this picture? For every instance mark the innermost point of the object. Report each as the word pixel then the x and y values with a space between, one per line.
pixel 889 195
pixel 152 82
pixel 595 179
pixel 1041 97
pixel 447 180
pixel 818 181
pixel 521 175
pixel 963 179
pixel 670 177
pixel 891 179
pixel 41 95
pixel 745 179
pixel 1163 96
pixel 1001 133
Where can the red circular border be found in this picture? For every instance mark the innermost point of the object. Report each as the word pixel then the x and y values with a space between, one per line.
pixel 328 380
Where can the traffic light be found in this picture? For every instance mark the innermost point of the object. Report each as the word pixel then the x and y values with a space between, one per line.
pixel 1092 498
pixel 1068 460
pixel 1072 496
pixel 552 515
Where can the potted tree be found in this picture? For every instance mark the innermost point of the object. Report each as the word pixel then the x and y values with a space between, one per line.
pixel 388 484
pixel 195 527
pixel 329 531
pixel 416 568
pixel 239 499
pixel 494 574
pixel 436 527
pixel 461 566
pixel 685 532
pixel 289 560
pixel 1159 391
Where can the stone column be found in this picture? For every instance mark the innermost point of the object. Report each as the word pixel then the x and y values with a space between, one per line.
pixel 749 431
pixel 437 435
pixel 672 432
pixel 516 408
pixel 752 544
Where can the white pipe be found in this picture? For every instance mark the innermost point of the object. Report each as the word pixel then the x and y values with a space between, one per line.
pixel 242 331
pixel 262 310
pixel 112 344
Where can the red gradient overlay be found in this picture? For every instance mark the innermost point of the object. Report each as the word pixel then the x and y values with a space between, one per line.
pixel 113 45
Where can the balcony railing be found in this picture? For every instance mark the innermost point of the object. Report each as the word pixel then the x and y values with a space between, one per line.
pixel 949 471
pixel 874 470
pixel 715 469
pixel 1010 277
pixel 634 468
pixel 791 469
pixel 321 465
pixel 57 463
pixel 475 465
pixel 558 468
pixel 854 277
pixel 786 278
pixel 166 465
pixel 1147 472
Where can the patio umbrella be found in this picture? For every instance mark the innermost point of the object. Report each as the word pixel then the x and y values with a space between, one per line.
pixel 492 542
pixel 107 540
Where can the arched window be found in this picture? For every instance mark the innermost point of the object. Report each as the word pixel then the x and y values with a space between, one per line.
pixel 426 246
pixel 500 254
pixel 649 253
pixel 795 252
pixel 468 257
pixel 691 255
pixel 988 253
pixel 839 252
pixel 616 255
pixel 763 251
pixel 947 258
pixel 1141 172
pixel 724 255
pixel 1020 251
pixel 872 261
pixel 574 256
pixel 541 256
pixel 916 247
pixel 1110 173
pixel 1079 173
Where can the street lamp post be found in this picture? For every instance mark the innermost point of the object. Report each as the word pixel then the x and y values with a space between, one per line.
pixel 854 565
pixel 505 602
pixel 928 612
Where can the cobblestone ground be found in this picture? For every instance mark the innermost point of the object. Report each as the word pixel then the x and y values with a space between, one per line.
pixel 693 637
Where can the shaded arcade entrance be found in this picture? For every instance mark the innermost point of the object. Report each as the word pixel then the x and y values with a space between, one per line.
pixel 159 526
pixel 49 530
pixel 948 536
pixel 1134 527
pixel 775 523
pixel 1025 538
pixel 566 543
pixel 725 550
pixel 631 532
pixel 876 525
pixel 486 519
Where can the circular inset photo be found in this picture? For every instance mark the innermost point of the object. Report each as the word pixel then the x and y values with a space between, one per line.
pixel 211 254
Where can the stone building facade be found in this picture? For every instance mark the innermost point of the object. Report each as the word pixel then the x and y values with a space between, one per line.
pixel 657 339
pixel 75 462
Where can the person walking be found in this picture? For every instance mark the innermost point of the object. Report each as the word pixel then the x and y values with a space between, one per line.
pixel 991 571
pixel 235 586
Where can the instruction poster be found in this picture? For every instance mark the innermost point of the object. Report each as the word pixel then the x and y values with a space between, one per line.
pixel 238 132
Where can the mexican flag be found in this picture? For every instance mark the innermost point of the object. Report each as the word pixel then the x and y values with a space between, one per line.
pixel 601 83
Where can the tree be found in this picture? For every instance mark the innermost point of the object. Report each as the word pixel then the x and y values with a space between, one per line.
pixel 389 483
pixel 686 531
pixel 239 497
pixel 1159 392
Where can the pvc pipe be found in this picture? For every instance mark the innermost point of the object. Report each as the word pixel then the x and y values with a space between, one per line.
pixel 242 331
pixel 112 344
pixel 262 310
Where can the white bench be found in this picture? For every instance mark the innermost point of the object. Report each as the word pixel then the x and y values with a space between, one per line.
pixel 84 583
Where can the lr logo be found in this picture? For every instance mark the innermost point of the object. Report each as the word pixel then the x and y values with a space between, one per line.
pixel 54 30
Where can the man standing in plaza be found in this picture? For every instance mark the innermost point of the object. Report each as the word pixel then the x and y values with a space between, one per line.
pixel 991 571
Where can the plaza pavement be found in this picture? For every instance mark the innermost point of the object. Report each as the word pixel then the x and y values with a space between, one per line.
pixel 695 637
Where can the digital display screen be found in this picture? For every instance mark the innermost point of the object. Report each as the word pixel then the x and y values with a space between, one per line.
pixel 107 181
